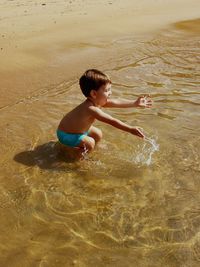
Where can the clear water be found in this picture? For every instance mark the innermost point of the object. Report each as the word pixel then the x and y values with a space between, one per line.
pixel 132 202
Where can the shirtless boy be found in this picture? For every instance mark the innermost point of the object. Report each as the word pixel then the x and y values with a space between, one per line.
pixel 76 130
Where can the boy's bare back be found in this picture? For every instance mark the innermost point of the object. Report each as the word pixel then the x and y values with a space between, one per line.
pixel 78 120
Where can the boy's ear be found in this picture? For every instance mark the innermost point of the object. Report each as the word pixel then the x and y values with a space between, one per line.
pixel 93 93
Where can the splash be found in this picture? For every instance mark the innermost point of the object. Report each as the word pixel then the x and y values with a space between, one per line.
pixel 84 154
pixel 145 152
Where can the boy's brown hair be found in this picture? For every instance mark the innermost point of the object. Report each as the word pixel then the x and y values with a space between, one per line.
pixel 92 79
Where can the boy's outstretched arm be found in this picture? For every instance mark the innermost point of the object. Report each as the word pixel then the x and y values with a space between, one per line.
pixel 144 101
pixel 98 114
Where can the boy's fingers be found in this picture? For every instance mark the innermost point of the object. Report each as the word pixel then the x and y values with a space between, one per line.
pixel 149 102
pixel 140 132
pixel 146 95
pixel 141 135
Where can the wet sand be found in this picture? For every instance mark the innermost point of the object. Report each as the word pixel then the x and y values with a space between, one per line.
pixel 125 205
pixel 45 43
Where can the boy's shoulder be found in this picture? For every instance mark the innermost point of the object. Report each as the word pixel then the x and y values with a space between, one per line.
pixel 88 108
pixel 95 111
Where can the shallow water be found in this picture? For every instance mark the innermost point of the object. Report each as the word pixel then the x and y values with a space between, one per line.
pixel 131 203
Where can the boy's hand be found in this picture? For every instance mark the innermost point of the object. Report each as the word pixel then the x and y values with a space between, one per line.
pixel 144 101
pixel 137 131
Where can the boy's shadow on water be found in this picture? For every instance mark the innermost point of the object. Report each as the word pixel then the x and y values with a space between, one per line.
pixel 46 156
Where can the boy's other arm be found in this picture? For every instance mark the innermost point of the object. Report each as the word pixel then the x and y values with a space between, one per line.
pixel 98 114
pixel 142 101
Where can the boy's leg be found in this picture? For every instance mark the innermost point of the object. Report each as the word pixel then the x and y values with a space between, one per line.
pixel 95 133
pixel 87 143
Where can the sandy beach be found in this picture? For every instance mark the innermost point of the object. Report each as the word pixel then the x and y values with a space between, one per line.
pixel 43 43
pixel 131 202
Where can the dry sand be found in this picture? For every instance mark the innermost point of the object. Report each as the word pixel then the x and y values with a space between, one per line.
pixel 43 43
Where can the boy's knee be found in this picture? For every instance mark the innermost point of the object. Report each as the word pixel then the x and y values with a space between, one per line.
pixel 97 135
pixel 91 144
pixel 100 134
pixel 88 143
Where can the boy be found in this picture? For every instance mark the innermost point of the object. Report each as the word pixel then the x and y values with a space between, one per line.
pixel 76 130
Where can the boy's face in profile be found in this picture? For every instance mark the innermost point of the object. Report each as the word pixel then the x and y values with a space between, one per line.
pixel 102 94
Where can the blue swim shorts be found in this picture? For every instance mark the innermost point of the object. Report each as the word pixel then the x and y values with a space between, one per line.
pixel 70 139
